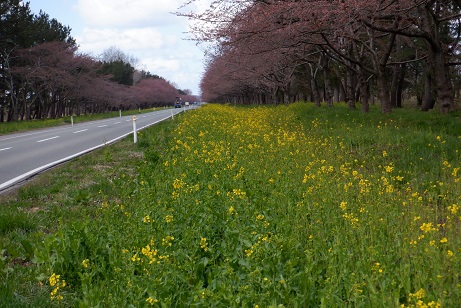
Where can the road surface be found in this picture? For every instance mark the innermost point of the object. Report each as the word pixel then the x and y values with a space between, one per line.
pixel 23 155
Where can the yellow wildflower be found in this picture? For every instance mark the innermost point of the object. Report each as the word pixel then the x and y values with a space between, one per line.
pixel 389 168
pixel 203 244
pixel 418 294
pixel 54 279
pixel 427 227
pixel 85 263
pixel 147 219
pixel 151 300
pixel 166 241
pixel 168 218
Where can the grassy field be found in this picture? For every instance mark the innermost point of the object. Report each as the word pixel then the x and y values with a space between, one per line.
pixel 280 206
pixel 13 127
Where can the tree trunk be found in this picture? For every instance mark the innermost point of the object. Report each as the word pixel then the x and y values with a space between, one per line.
pixel 400 85
pixel 398 76
pixel 350 89
pixel 445 93
pixel 313 84
pixel 327 80
pixel 315 92
pixel 364 93
pixel 436 57
pixel 383 91
pixel 428 96
pixel 336 91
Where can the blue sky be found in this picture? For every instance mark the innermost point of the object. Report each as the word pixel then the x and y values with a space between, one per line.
pixel 145 29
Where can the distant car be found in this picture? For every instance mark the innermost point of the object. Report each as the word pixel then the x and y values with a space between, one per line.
pixel 177 105
pixel 187 104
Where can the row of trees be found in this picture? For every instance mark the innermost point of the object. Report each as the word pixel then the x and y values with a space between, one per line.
pixel 332 50
pixel 43 75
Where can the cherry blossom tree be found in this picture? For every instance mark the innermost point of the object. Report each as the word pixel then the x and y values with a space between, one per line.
pixel 277 44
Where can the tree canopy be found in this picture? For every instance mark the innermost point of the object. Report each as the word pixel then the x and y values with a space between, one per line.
pixel 329 50
pixel 43 75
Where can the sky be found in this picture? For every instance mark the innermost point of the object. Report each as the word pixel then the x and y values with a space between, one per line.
pixel 145 29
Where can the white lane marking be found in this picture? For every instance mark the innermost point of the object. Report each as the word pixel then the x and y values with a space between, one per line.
pixel 45 167
pixel 5 149
pixel 48 139
pixel 80 131
pixel 102 126
pixel 117 123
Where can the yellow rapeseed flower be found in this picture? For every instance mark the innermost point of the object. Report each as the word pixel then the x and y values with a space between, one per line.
pixel 151 300
pixel 168 218
pixel 248 252
pixel 135 258
pixel 204 243
pixel 418 294
pixel 453 209
pixel 54 279
pixel 389 168
pixel 178 184
pixel 427 227
pixel 57 283
pixel 85 263
pixel 166 241
pixel 147 219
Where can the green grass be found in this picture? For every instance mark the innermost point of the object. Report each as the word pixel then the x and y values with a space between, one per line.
pixel 19 126
pixel 278 206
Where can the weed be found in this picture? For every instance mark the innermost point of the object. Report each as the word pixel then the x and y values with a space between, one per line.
pixel 243 207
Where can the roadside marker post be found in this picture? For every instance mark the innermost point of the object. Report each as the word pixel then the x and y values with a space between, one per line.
pixel 120 112
pixel 135 133
pixel 72 120
pixel 172 115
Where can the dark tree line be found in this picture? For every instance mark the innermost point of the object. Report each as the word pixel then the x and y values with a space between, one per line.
pixel 43 75
pixel 357 51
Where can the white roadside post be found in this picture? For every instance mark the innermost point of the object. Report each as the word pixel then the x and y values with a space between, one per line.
pixel 135 133
pixel 172 115
pixel 72 120
pixel 120 113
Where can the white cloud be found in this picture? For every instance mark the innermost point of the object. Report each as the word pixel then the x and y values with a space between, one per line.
pixel 128 40
pixel 147 30
pixel 123 13
pixel 155 65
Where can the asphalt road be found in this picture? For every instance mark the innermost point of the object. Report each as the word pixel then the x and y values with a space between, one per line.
pixel 24 155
